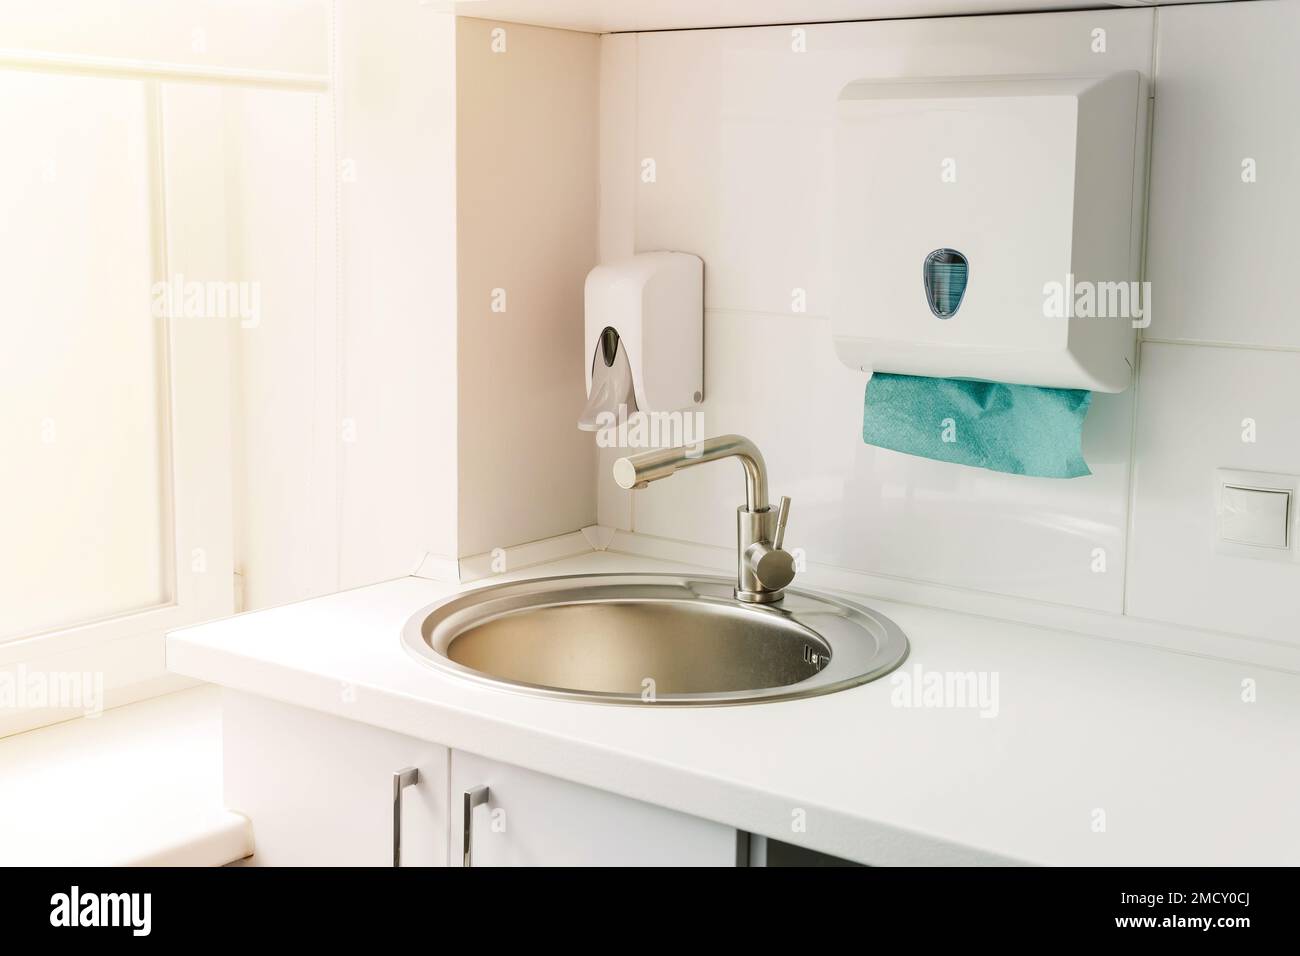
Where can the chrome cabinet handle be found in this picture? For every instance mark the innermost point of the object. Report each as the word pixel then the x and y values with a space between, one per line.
pixel 473 798
pixel 406 777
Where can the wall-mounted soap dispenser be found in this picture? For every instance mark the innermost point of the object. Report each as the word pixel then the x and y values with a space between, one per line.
pixel 644 342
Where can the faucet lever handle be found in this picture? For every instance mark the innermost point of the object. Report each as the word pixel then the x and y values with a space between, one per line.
pixel 782 516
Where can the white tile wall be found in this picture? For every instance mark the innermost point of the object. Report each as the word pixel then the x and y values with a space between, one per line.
pixel 739 126
pixel 617 135
pixel 870 509
pixel 1193 403
pixel 740 129
pixel 1228 90
pixel 1220 261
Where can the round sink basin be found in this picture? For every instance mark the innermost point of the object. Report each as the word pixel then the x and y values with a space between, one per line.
pixel 653 639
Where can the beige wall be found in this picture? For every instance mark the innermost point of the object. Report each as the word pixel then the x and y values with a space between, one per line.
pixel 526 144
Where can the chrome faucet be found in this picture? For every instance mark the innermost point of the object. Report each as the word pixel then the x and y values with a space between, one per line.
pixel 763 568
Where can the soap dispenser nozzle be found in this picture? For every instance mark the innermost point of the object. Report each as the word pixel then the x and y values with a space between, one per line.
pixel 612 391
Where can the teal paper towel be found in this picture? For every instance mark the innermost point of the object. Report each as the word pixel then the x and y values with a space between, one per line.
pixel 1019 429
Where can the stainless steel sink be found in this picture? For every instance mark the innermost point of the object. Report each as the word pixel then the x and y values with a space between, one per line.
pixel 654 639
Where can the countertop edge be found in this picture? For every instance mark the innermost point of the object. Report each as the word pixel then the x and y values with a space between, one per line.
pixel 624 773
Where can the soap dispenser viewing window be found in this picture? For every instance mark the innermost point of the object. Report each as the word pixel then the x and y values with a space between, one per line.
pixel 944 275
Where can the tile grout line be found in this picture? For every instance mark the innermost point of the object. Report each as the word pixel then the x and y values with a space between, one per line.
pixel 1130 497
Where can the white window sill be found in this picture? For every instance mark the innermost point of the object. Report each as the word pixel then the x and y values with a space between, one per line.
pixel 139 785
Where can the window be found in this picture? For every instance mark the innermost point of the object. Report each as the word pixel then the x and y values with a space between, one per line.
pixel 130 165
pixel 115 420
pixel 82 366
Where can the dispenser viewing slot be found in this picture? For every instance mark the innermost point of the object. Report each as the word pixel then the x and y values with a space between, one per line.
pixel 988 228
pixel 644 342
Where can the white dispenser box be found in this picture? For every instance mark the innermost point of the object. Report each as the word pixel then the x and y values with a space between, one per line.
pixel 973 216
pixel 644 342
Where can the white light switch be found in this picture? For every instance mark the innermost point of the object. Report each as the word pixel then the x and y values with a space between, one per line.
pixel 1254 516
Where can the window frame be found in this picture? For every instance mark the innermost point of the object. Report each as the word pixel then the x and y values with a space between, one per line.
pixel 128 650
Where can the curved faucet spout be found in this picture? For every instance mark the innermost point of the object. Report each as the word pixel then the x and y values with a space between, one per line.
pixel 637 471
pixel 763 567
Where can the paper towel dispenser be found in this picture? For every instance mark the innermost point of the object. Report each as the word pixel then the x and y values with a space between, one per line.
pixel 987 228
pixel 644 342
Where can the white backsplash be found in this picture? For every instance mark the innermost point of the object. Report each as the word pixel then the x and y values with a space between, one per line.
pixel 776 380
pixel 1190 415
pixel 739 128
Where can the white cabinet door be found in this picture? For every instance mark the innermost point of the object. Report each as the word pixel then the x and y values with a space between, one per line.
pixel 530 819
pixel 319 789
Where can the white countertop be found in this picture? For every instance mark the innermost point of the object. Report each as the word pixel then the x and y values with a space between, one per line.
pixel 1186 772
